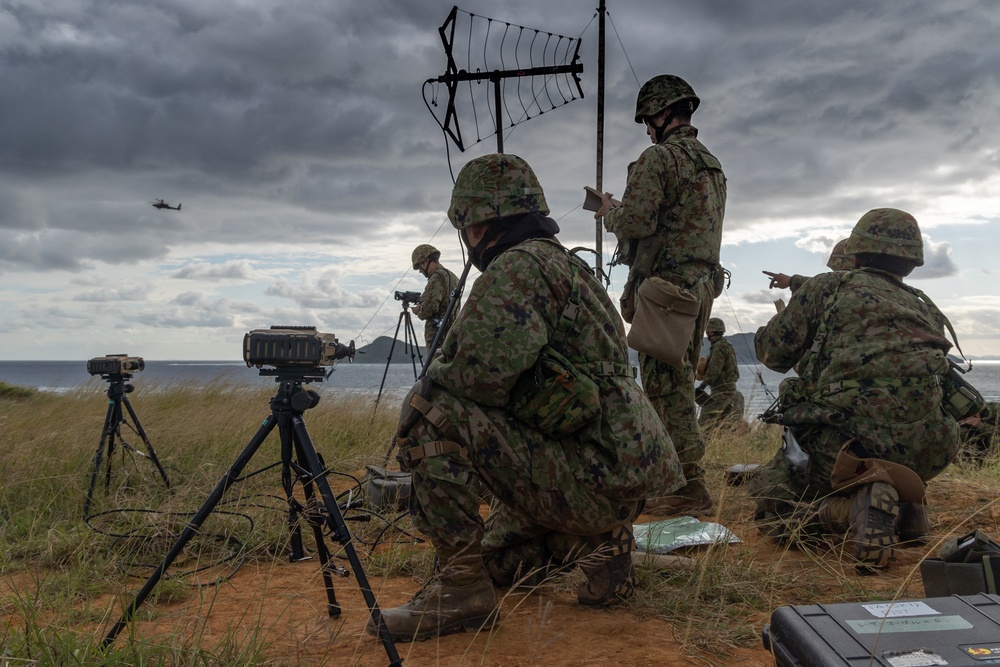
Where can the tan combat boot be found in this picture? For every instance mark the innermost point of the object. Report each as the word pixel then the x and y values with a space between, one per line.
pixel 912 523
pixel 610 576
pixel 874 508
pixel 458 597
pixel 692 499
pixel 868 518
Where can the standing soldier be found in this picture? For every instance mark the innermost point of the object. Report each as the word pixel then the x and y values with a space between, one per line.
pixel 725 402
pixel 865 423
pixel 441 284
pixel 671 219
pixel 534 398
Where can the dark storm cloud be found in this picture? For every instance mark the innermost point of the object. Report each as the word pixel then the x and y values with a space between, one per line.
pixel 306 116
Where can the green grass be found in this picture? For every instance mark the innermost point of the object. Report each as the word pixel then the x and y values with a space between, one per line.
pixel 57 572
pixel 64 581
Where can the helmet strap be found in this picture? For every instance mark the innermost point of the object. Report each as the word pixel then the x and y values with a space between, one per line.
pixel 661 130
pixel 493 232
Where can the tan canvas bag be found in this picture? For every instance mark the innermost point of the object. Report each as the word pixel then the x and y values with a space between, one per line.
pixel 664 321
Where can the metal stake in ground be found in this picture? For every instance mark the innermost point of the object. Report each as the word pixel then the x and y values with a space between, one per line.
pixel 287 406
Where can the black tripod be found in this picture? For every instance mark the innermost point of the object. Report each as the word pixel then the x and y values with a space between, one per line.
pixel 410 344
pixel 117 391
pixel 287 407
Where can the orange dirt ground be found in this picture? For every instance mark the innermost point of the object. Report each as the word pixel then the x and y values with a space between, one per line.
pixel 285 604
pixel 544 626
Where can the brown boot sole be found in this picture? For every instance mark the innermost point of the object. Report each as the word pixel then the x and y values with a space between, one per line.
pixel 874 536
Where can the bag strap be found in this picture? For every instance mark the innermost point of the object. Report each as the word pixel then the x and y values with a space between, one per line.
pixel 809 373
pixel 700 166
pixel 571 310
pixel 938 314
pixel 567 319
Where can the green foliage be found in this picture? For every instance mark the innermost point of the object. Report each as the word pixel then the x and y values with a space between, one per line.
pixel 14 392
pixel 57 571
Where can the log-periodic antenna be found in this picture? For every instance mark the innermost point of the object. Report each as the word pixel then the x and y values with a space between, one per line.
pixel 544 66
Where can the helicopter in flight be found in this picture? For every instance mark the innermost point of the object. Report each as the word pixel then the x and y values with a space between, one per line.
pixel 159 203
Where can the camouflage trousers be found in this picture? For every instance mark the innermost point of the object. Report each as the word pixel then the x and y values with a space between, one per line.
pixel 722 406
pixel 787 495
pixel 536 481
pixel 671 392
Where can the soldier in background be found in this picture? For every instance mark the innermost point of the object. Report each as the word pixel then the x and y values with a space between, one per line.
pixel 980 439
pixel 441 284
pixel 722 401
pixel 671 219
pixel 865 424
pixel 533 397
pixel 840 260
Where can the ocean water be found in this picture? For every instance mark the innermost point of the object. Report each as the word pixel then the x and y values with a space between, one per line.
pixel 758 384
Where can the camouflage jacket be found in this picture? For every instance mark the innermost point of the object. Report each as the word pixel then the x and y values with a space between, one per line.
pixel 434 301
pixel 722 371
pixel 677 191
pixel 882 354
pixel 511 313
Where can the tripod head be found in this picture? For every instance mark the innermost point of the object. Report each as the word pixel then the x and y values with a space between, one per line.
pixel 292 396
pixel 408 298
pixel 117 386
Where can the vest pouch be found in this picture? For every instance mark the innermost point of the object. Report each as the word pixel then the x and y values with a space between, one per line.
pixel 961 399
pixel 627 300
pixel 552 397
pixel 664 320
pixel 718 281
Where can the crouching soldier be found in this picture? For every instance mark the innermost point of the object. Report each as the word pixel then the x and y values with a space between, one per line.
pixel 534 398
pixel 865 424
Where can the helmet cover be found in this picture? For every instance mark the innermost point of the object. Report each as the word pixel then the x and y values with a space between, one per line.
pixel 495 186
pixel 887 231
pixel 661 92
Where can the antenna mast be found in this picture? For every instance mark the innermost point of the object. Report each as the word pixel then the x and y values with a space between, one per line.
pixel 599 232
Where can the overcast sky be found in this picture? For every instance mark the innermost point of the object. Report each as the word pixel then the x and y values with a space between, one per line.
pixel 296 136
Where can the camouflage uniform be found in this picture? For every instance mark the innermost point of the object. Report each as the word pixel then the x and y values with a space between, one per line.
pixel 839 260
pixel 876 377
pixel 434 302
pixel 676 192
pixel 585 483
pixel 721 373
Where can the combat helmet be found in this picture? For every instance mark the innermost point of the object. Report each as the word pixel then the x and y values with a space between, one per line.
pixel 661 92
pixel 424 252
pixel 887 231
pixel 492 187
pixel 840 259
pixel 715 325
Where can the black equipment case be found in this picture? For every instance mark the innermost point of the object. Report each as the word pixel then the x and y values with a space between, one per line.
pixel 958 631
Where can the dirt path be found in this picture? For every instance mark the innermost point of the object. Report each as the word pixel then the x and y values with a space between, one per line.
pixel 544 627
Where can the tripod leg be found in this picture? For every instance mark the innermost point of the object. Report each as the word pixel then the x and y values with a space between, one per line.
pixel 115 426
pixel 392 348
pixel 295 531
pixel 191 529
pixel 145 439
pixel 411 343
pixel 336 523
pixel 105 434
pixel 316 521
